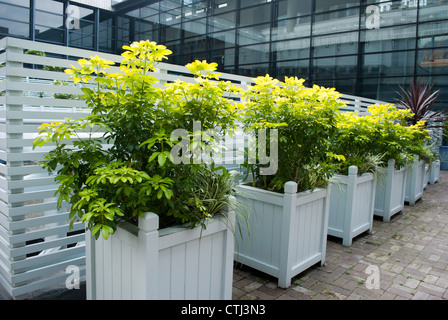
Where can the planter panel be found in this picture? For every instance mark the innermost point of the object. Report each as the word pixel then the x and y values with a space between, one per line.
pixel 351 205
pixel 173 263
pixel 287 231
pixel 426 176
pixel 415 181
pixel 434 172
pixel 390 191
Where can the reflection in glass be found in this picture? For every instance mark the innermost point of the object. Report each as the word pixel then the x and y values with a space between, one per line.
pixel 325 5
pixel 14 28
pixel 293 68
pixel 433 34
pixel 292 49
pixel 338 21
pixel 222 22
pixel 388 39
pixel 399 63
pixel 196 27
pixel 220 6
pixel 254 34
pixel 293 8
pixel 335 67
pixel 432 61
pixel 384 89
pixel 291 28
pixel 254 71
pixel 256 15
pixel 221 40
pixel 391 15
pixel 431 10
pixel 254 54
pixel 334 45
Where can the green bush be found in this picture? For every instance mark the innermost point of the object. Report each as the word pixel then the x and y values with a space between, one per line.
pixel 136 173
pixel 382 134
pixel 306 122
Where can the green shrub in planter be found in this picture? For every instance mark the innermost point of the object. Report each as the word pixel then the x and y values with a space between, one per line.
pixel 137 173
pixel 306 122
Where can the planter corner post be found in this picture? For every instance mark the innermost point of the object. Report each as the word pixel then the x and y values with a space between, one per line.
pixel 148 236
pixel 290 200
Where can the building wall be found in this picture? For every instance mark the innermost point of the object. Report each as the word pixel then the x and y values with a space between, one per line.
pixel 361 47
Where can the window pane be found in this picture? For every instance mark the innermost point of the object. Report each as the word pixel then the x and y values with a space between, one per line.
pixel 248 3
pixel 224 58
pixel 325 5
pixel 222 22
pixel 345 86
pixel 292 49
pixel 49 19
pixel 146 30
pixel 196 27
pixel 49 34
pixel 384 89
pixel 388 64
pixel 220 6
pixel 390 16
pixel 14 28
pixel 335 67
pixel 255 15
pixel 195 44
pixel 81 40
pixel 431 10
pixel 432 61
pixel 432 34
pixel 254 70
pixel 440 83
pixel 254 54
pixel 294 68
pixel 292 28
pixel 334 45
pixel 293 8
pixel 223 39
pixel 25 3
pixel 170 33
pixel 195 9
pixel 254 34
pixel 388 39
pixel 49 6
pixel 14 13
pixel 337 21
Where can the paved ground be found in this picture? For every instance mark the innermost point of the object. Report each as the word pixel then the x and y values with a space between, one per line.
pixel 410 253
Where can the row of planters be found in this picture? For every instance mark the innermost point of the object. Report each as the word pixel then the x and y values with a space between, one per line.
pixel 163 222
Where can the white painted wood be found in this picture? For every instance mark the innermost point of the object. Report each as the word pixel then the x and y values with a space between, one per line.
pixel 415 181
pixel 390 191
pixel 351 205
pixel 426 176
pixel 434 172
pixel 170 264
pixel 284 238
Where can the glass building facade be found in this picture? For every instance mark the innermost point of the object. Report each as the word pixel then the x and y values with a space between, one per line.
pixel 360 47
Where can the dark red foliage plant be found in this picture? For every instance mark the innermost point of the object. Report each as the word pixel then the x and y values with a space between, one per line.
pixel 420 99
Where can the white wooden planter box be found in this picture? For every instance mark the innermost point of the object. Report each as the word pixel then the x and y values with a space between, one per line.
pixel 172 263
pixel 434 172
pixel 415 181
pixel 288 231
pixel 390 191
pixel 351 205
